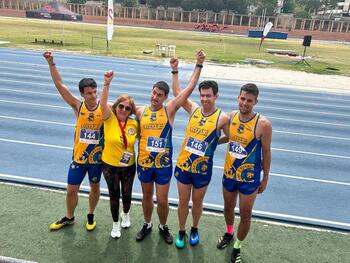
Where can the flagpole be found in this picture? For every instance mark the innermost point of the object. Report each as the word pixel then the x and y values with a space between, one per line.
pixel 110 21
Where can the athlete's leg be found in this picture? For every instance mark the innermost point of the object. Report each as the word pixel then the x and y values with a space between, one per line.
pixel 94 196
pixel 71 199
pixel 184 191
pixel 162 202
pixel 127 180
pixel 197 204
pixel 230 199
pixel 112 179
pixel 147 200
pixel 246 203
pixel 94 171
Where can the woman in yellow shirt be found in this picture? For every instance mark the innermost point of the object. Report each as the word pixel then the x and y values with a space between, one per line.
pixel 121 130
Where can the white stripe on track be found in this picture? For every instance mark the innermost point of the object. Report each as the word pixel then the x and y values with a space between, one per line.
pixel 34 120
pixel 309 179
pixel 177 137
pixel 37 144
pixel 209 205
pixel 34 104
pixel 313 122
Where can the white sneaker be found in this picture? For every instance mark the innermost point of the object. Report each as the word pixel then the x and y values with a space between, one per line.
pixel 125 220
pixel 115 233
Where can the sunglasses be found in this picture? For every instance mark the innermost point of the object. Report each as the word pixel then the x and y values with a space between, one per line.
pixel 123 107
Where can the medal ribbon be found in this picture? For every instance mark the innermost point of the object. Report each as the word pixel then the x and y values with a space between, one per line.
pixel 122 129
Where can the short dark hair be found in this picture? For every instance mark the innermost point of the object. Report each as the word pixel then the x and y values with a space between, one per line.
pixel 209 84
pixel 162 85
pixel 250 88
pixel 87 82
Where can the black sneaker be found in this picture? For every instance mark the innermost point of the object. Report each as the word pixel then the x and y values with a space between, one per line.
pixel 168 238
pixel 224 241
pixel 143 232
pixel 236 256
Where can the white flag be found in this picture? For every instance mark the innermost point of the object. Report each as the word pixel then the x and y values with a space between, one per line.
pixel 110 19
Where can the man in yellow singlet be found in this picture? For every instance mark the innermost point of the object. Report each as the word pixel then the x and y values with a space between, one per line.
pixel 88 144
pixel 154 164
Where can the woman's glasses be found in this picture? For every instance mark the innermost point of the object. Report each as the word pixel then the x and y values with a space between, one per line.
pixel 123 107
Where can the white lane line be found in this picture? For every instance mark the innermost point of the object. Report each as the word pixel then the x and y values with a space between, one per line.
pixel 307 121
pixel 31 92
pixel 174 161
pixel 312 153
pixel 309 179
pixel 34 120
pixel 37 144
pixel 177 137
pixel 313 135
pixel 216 206
pixel 34 104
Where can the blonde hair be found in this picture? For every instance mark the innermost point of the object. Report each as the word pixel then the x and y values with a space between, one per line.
pixel 124 97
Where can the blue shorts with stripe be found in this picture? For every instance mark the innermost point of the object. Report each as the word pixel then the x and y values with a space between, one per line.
pixel 78 171
pixel 196 179
pixel 246 188
pixel 161 176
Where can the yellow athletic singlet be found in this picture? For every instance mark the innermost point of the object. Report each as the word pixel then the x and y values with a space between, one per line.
pixel 88 139
pixel 200 142
pixel 114 151
pixel 155 146
pixel 243 153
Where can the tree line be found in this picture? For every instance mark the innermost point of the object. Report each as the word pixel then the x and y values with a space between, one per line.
pixel 300 8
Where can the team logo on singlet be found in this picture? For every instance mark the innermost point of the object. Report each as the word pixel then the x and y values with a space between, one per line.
pixel 131 131
pixel 240 129
pixel 153 117
pixel 202 121
pixel 91 116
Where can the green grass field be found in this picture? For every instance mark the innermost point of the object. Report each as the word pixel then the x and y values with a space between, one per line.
pixel 27 212
pixel 130 43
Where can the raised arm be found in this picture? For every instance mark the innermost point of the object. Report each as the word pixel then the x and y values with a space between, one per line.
pixel 68 97
pixel 182 96
pixel 266 136
pixel 174 62
pixel 106 111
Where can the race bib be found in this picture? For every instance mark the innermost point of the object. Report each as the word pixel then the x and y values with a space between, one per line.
pixel 155 144
pixel 236 150
pixel 195 146
pixel 89 136
pixel 126 158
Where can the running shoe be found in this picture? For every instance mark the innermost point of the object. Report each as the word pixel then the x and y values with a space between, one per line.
pixel 64 221
pixel 125 218
pixel 180 239
pixel 143 232
pixel 115 233
pixel 236 256
pixel 91 223
pixel 194 236
pixel 224 241
pixel 168 238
